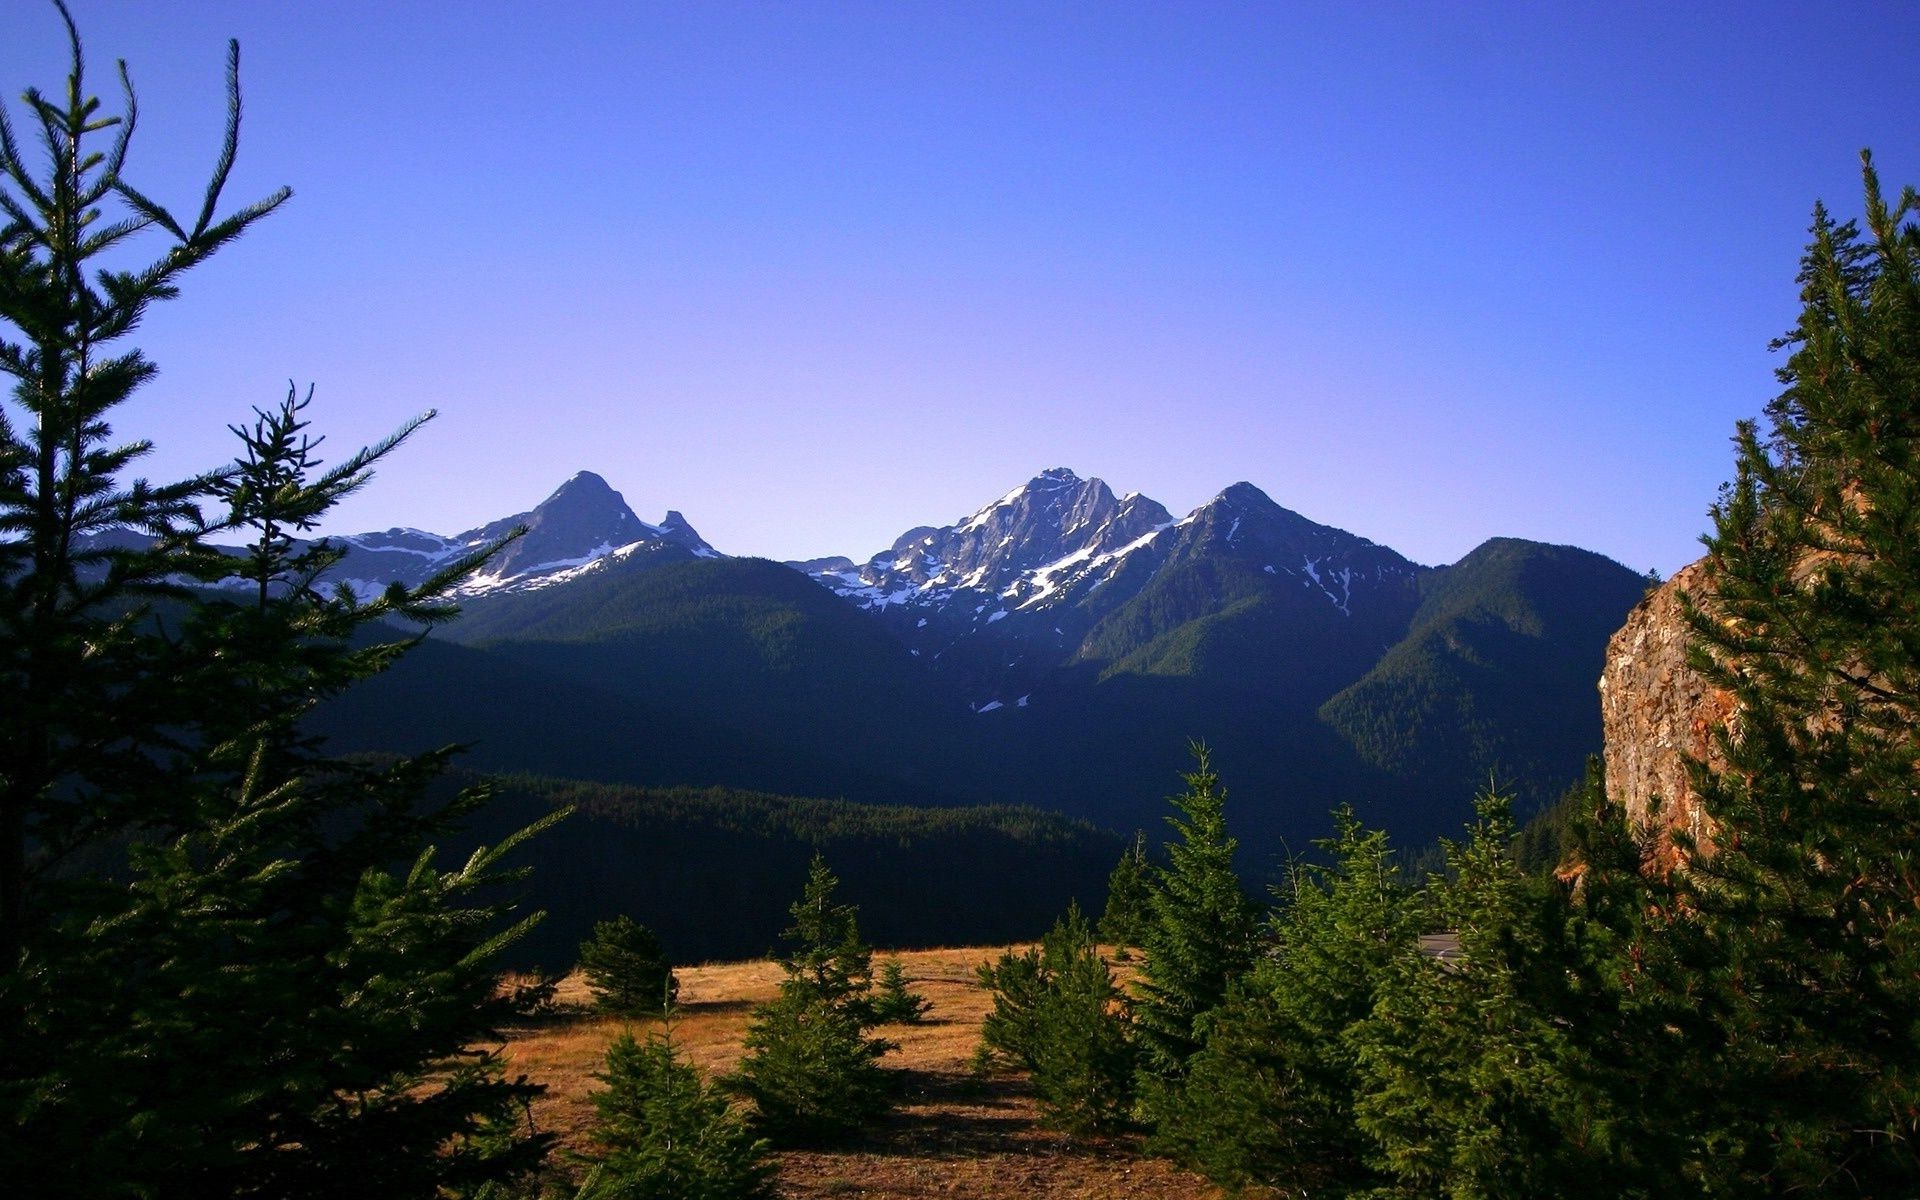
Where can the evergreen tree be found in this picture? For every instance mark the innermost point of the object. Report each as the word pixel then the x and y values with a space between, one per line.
pixel 811 1068
pixel 1474 1081
pixel 893 1003
pixel 828 961
pixel 626 969
pixel 213 979
pixel 1123 924
pixel 1083 1055
pixel 1203 931
pixel 87 683
pixel 1017 984
pixel 665 1134
pixel 1269 1097
pixel 1058 1015
pixel 1809 904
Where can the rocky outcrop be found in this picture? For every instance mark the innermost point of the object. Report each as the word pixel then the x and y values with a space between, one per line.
pixel 1657 713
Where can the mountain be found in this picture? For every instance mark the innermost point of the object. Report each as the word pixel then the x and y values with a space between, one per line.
pixel 1497 673
pixel 575 532
pixel 1060 571
pixel 744 645
pixel 1056 647
pixel 1023 570
pixel 1245 586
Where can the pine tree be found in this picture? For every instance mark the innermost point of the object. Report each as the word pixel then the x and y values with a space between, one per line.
pixel 893 1002
pixel 627 971
pixel 1058 1015
pixel 828 960
pixel 1123 924
pixel 1474 1080
pixel 1809 904
pixel 1269 1098
pixel 213 979
pixel 1083 1054
pixel 1017 983
pixel 86 681
pixel 1203 931
pixel 665 1134
pixel 811 1068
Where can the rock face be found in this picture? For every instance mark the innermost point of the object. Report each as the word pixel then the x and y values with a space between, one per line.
pixel 1657 712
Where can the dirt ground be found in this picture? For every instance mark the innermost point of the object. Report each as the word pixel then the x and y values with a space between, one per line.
pixel 953 1135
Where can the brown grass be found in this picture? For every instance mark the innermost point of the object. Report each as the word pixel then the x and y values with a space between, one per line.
pixel 953 1135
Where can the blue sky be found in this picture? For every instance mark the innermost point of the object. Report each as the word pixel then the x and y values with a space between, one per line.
pixel 815 273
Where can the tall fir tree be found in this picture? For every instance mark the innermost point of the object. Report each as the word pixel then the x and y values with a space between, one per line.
pixel 1473 1079
pixel 1809 903
pixel 1268 1100
pixel 228 963
pixel 1203 929
pixel 83 755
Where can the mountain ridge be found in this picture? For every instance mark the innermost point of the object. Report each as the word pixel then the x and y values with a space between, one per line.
pixel 1061 641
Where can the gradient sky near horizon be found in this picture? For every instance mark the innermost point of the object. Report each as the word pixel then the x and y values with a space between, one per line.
pixel 815 273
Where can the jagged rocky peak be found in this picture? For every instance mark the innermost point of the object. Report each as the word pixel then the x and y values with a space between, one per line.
pixel 675 528
pixel 1053 515
pixel 582 519
pixel 1034 546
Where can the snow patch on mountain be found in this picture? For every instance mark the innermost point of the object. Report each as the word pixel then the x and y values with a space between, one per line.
pixel 1035 546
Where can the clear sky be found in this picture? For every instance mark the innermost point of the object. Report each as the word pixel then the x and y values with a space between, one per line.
pixel 814 273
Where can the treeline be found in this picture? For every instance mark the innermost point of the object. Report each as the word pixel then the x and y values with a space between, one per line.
pixel 711 870
pixel 1726 1016
pixel 1488 1032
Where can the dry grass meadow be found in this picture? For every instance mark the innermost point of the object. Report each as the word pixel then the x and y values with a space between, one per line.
pixel 953 1135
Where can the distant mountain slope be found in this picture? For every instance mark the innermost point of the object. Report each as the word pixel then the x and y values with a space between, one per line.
pixel 515 714
pixel 1252 595
pixel 746 645
pixel 1497 672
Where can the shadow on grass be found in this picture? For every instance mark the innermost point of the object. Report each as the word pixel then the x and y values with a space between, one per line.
pixel 716 1007
pixel 959 1115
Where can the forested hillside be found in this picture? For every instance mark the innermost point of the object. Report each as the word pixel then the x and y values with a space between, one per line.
pixel 1496 674
pixel 1397 698
pixel 713 869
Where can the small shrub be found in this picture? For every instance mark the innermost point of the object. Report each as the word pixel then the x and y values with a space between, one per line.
pixel 893 1003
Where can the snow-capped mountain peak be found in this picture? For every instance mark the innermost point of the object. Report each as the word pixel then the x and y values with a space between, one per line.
pixel 580 528
pixel 1016 551
pixel 1025 580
